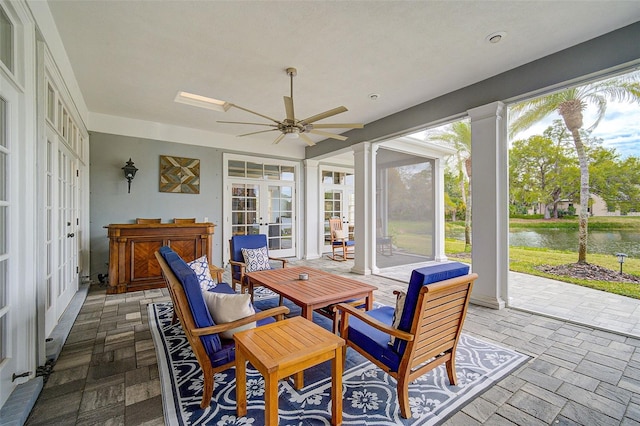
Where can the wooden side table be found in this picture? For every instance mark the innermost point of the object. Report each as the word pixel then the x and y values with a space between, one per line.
pixel 283 349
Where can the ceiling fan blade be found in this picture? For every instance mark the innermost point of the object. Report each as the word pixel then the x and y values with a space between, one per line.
pixel 288 107
pixel 244 122
pixel 255 133
pixel 328 135
pixel 307 139
pixel 278 139
pixel 338 126
pixel 256 113
pixel 325 114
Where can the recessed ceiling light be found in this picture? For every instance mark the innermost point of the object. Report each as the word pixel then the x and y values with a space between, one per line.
pixel 202 101
pixel 496 37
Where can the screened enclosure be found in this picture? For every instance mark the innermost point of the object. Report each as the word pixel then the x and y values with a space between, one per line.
pixel 404 208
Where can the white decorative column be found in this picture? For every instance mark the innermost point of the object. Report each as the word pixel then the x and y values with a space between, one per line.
pixel 364 234
pixel 313 223
pixel 438 211
pixel 490 210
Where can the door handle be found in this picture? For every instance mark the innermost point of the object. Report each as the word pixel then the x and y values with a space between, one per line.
pixel 71 235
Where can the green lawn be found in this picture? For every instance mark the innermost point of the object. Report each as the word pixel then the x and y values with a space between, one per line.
pixel 524 259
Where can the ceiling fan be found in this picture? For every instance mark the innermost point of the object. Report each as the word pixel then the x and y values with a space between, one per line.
pixel 291 127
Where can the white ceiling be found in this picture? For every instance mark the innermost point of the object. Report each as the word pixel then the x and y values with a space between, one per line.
pixel 131 57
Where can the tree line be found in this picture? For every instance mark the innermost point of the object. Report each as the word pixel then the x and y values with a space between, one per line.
pixel 544 171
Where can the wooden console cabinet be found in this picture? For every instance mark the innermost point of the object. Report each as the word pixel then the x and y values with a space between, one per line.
pixel 132 264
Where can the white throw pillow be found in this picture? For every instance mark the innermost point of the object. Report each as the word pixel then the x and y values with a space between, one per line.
pixel 256 259
pixel 397 314
pixel 201 267
pixel 338 234
pixel 226 308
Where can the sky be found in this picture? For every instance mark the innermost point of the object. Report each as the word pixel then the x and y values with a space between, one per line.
pixel 619 129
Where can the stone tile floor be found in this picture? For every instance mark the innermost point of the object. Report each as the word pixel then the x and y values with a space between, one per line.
pixel 107 372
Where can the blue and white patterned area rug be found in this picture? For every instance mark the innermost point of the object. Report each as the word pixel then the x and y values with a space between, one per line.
pixel 369 395
pixel 262 293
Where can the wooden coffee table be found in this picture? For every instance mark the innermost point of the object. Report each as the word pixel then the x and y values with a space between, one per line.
pixel 283 349
pixel 320 290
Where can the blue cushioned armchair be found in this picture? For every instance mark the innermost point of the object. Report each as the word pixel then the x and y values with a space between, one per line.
pixel 238 267
pixel 213 352
pixel 428 330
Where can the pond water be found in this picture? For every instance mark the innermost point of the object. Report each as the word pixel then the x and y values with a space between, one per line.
pixel 604 242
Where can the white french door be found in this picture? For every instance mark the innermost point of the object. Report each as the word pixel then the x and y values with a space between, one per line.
pixel 67 224
pixel 61 229
pixel 338 203
pixel 12 323
pixel 338 200
pixel 260 198
pixel 265 208
pixel 49 236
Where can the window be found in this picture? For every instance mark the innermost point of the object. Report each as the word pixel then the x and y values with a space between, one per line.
pixel 337 178
pixel 6 40
pixel 51 103
pixel 261 171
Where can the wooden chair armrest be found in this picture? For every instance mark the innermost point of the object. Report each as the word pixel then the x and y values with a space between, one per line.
pixel 278 313
pixel 236 263
pixel 241 265
pixel 279 259
pixel 218 271
pixel 347 310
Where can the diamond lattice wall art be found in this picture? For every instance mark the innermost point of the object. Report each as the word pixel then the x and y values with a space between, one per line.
pixel 179 175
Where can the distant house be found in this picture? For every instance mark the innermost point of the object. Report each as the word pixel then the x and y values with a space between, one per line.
pixel 598 207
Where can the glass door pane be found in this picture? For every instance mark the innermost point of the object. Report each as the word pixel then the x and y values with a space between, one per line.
pixel 6 40
pixel 332 208
pixel 280 214
pixel 245 204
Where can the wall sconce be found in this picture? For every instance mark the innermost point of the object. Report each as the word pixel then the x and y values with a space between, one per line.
pixel 621 257
pixel 129 172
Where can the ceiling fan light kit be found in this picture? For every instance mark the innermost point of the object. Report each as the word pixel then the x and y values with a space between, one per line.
pixel 293 128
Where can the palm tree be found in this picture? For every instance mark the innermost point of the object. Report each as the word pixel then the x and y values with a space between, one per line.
pixel 570 104
pixel 459 136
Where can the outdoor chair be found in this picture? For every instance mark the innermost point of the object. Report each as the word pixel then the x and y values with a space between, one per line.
pixel 141 220
pixel 340 241
pixel 421 333
pixel 384 242
pixel 214 352
pixel 260 261
pixel 184 220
